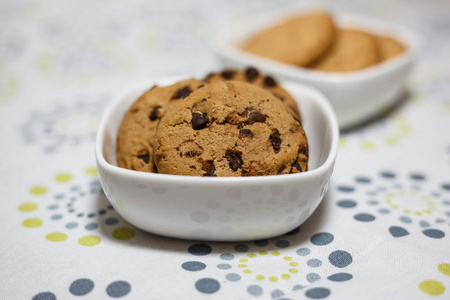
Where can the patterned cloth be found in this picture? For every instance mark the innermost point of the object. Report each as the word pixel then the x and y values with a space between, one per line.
pixel 382 231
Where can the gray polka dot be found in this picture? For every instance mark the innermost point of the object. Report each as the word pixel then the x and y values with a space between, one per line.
pixel 298 287
pixel 276 189
pixel 384 211
pixel 159 190
pixel 424 224
pixel 294 195
pixel 372 202
pixel 434 233
pixel 388 174
pixel 44 296
pixel 318 293
pixel 200 249
pixel 447 213
pixel 340 258
pixel 91 215
pixel 345 188
pixel 241 248
pixel 200 217
pixel 304 215
pixel 71 225
pixel 57 217
pixel 346 203
pixel 261 243
pixel 91 226
pixel 362 179
pixel 439 220
pixel 111 221
pixel 226 256
pixel 234 194
pixel 53 206
pixel 193 266
pixel 141 186
pixel 314 263
pixel 224 266
pixel 207 285
pixel 417 176
pixel 212 204
pixel 224 219
pixel 311 277
pixel 397 231
pixel 59 196
pixel 322 238
pixel 255 290
pixel 289 220
pixel 363 217
pixel 405 220
pixel 276 294
pixel 282 244
pixel 118 289
pixel 303 251
pixel 81 287
pixel 447 202
pixel 233 277
pixel 339 277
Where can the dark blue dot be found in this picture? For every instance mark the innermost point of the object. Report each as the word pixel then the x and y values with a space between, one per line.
pixel 282 243
pixel 293 231
pixel 118 289
pixel 255 290
pixel 384 211
pixel 44 296
pixel 193 266
pixel 59 196
pixel 53 206
pixel 261 243
pixel 446 186
pixel 241 248
pixel 91 226
pixel 110 207
pixel 318 293
pixel 322 238
pixel 363 179
pixel 71 210
pixel 397 231
pixel 57 217
pixel 338 277
pixel 405 219
pixel 91 215
pixel 388 174
pixel 200 249
pixel 207 285
pixel 416 176
pixel 345 188
pixel 276 293
pixel 102 212
pixel 80 215
pixel 364 217
pixel 434 233
pixel 346 203
pixel 340 258
pixel 71 225
pixel 111 221
pixel 81 287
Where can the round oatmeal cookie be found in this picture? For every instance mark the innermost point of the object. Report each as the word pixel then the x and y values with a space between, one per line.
pixel 299 40
pixel 388 47
pixel 230 128
pixel 351 50
pixel 136 134
pixel 252 75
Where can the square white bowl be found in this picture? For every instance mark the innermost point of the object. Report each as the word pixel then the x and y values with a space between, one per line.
pixel 355 96
pixel 219 208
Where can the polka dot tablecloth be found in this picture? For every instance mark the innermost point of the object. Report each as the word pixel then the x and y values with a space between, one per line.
pixel 381 232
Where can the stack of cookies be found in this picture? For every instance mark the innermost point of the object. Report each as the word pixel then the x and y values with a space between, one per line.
pixel 233 123
pixel 313 41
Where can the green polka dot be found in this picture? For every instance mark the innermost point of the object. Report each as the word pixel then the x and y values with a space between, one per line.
pixel 432 287
pixel 63 177
pixel 91 171
pixel 32 223
pixel 56 237
pixel 26 207
pixel 123 233
pixel 444 269
pixel 89 240
pixel 38 190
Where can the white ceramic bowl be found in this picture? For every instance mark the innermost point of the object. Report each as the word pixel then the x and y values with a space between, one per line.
pixel 213 208
pixel 355 96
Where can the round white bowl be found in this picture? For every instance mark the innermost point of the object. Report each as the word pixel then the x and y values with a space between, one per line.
pixel 219 208
pixel 355 96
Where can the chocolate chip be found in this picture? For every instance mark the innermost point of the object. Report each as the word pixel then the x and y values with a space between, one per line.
pixel 192 153
pixel 255 116
pixel 251 73
pixel 276 141
pixel 200 86
pixel 245 133
pixel 199 121
pixel 182 93
pixel 280 97
pixel 145 158
pixel 154 114
pixel 192 167
pixel 269 81
pixel 227 74
pixel 209 168
pixel 234 161
pixel 297 166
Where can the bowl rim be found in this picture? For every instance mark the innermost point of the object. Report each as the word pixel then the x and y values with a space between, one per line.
pixel 317 97
pixel 224 46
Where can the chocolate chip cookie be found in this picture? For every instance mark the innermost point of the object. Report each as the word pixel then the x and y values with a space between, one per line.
pixel 230 128
pixel 299 40
pixel 351 50
pixel 137 132
pixel 252 75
